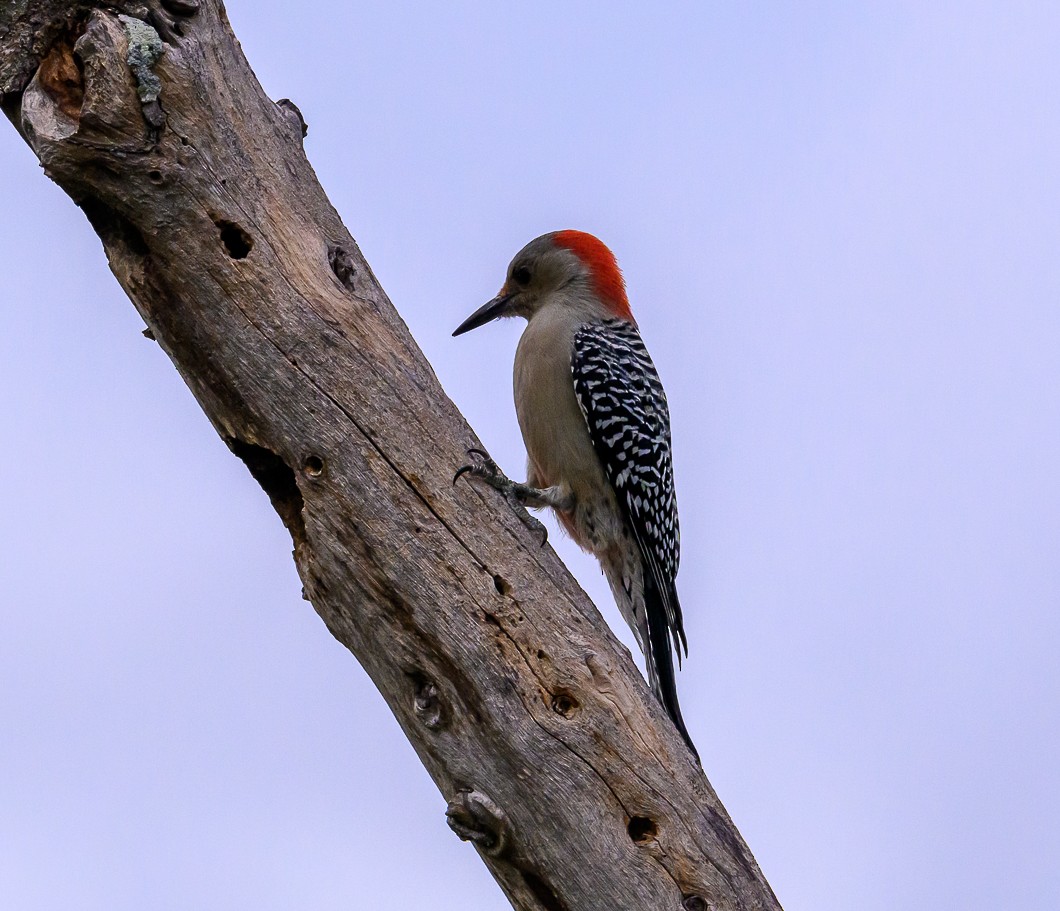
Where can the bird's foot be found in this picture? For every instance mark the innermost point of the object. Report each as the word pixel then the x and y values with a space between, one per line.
pixel 486 470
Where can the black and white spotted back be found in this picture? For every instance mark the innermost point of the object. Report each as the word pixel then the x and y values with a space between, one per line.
pixel 625 408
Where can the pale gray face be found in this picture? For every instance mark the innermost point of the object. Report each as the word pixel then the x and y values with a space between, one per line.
pixel 538 270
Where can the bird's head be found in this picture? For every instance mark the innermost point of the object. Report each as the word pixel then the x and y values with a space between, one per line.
pixel 552 263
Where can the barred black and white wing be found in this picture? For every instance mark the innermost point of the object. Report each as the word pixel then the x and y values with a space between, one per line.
pixel 625 409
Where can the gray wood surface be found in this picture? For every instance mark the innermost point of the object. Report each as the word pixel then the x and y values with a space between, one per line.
pixel 529 715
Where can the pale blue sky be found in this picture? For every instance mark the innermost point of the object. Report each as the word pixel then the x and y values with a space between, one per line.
pixel 840 225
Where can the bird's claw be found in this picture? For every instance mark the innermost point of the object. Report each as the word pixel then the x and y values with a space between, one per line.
pixel 485 469
pixel 534 524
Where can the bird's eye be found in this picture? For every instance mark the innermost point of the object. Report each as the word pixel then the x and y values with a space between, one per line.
pixel 521 275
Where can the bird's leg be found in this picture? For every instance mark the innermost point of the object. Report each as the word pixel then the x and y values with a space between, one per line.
pixel 518 496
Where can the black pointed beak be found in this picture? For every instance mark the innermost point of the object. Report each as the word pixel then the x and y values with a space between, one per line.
pixel 487 312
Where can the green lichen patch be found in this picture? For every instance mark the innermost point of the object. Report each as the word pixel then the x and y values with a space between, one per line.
pixel 145 47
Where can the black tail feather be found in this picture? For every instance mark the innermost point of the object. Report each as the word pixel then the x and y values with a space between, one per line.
pixel 660 656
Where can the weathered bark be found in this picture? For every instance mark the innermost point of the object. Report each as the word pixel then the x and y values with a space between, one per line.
pixel 532 719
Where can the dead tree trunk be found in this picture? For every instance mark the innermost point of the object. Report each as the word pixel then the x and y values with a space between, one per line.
pixel 531 718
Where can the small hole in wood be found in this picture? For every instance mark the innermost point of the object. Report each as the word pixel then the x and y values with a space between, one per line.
pixel 278 480
pixel 313 466
pixel 642 829
pixel 182 7
pixel 156 178
pixel 695 903
pixel 343 266
pixel 114 228
pixel 564 704
pixel 427 701
pixel 237 242
pixel 541 656
pixel 501 584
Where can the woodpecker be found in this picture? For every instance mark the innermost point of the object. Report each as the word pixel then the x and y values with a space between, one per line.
pixel 596 427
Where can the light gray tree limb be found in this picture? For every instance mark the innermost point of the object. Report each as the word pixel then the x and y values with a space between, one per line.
pixel 532 719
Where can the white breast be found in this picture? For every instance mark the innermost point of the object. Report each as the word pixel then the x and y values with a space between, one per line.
pixel 557 441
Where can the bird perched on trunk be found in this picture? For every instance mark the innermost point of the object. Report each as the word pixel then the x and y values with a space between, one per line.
pixel 597 431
